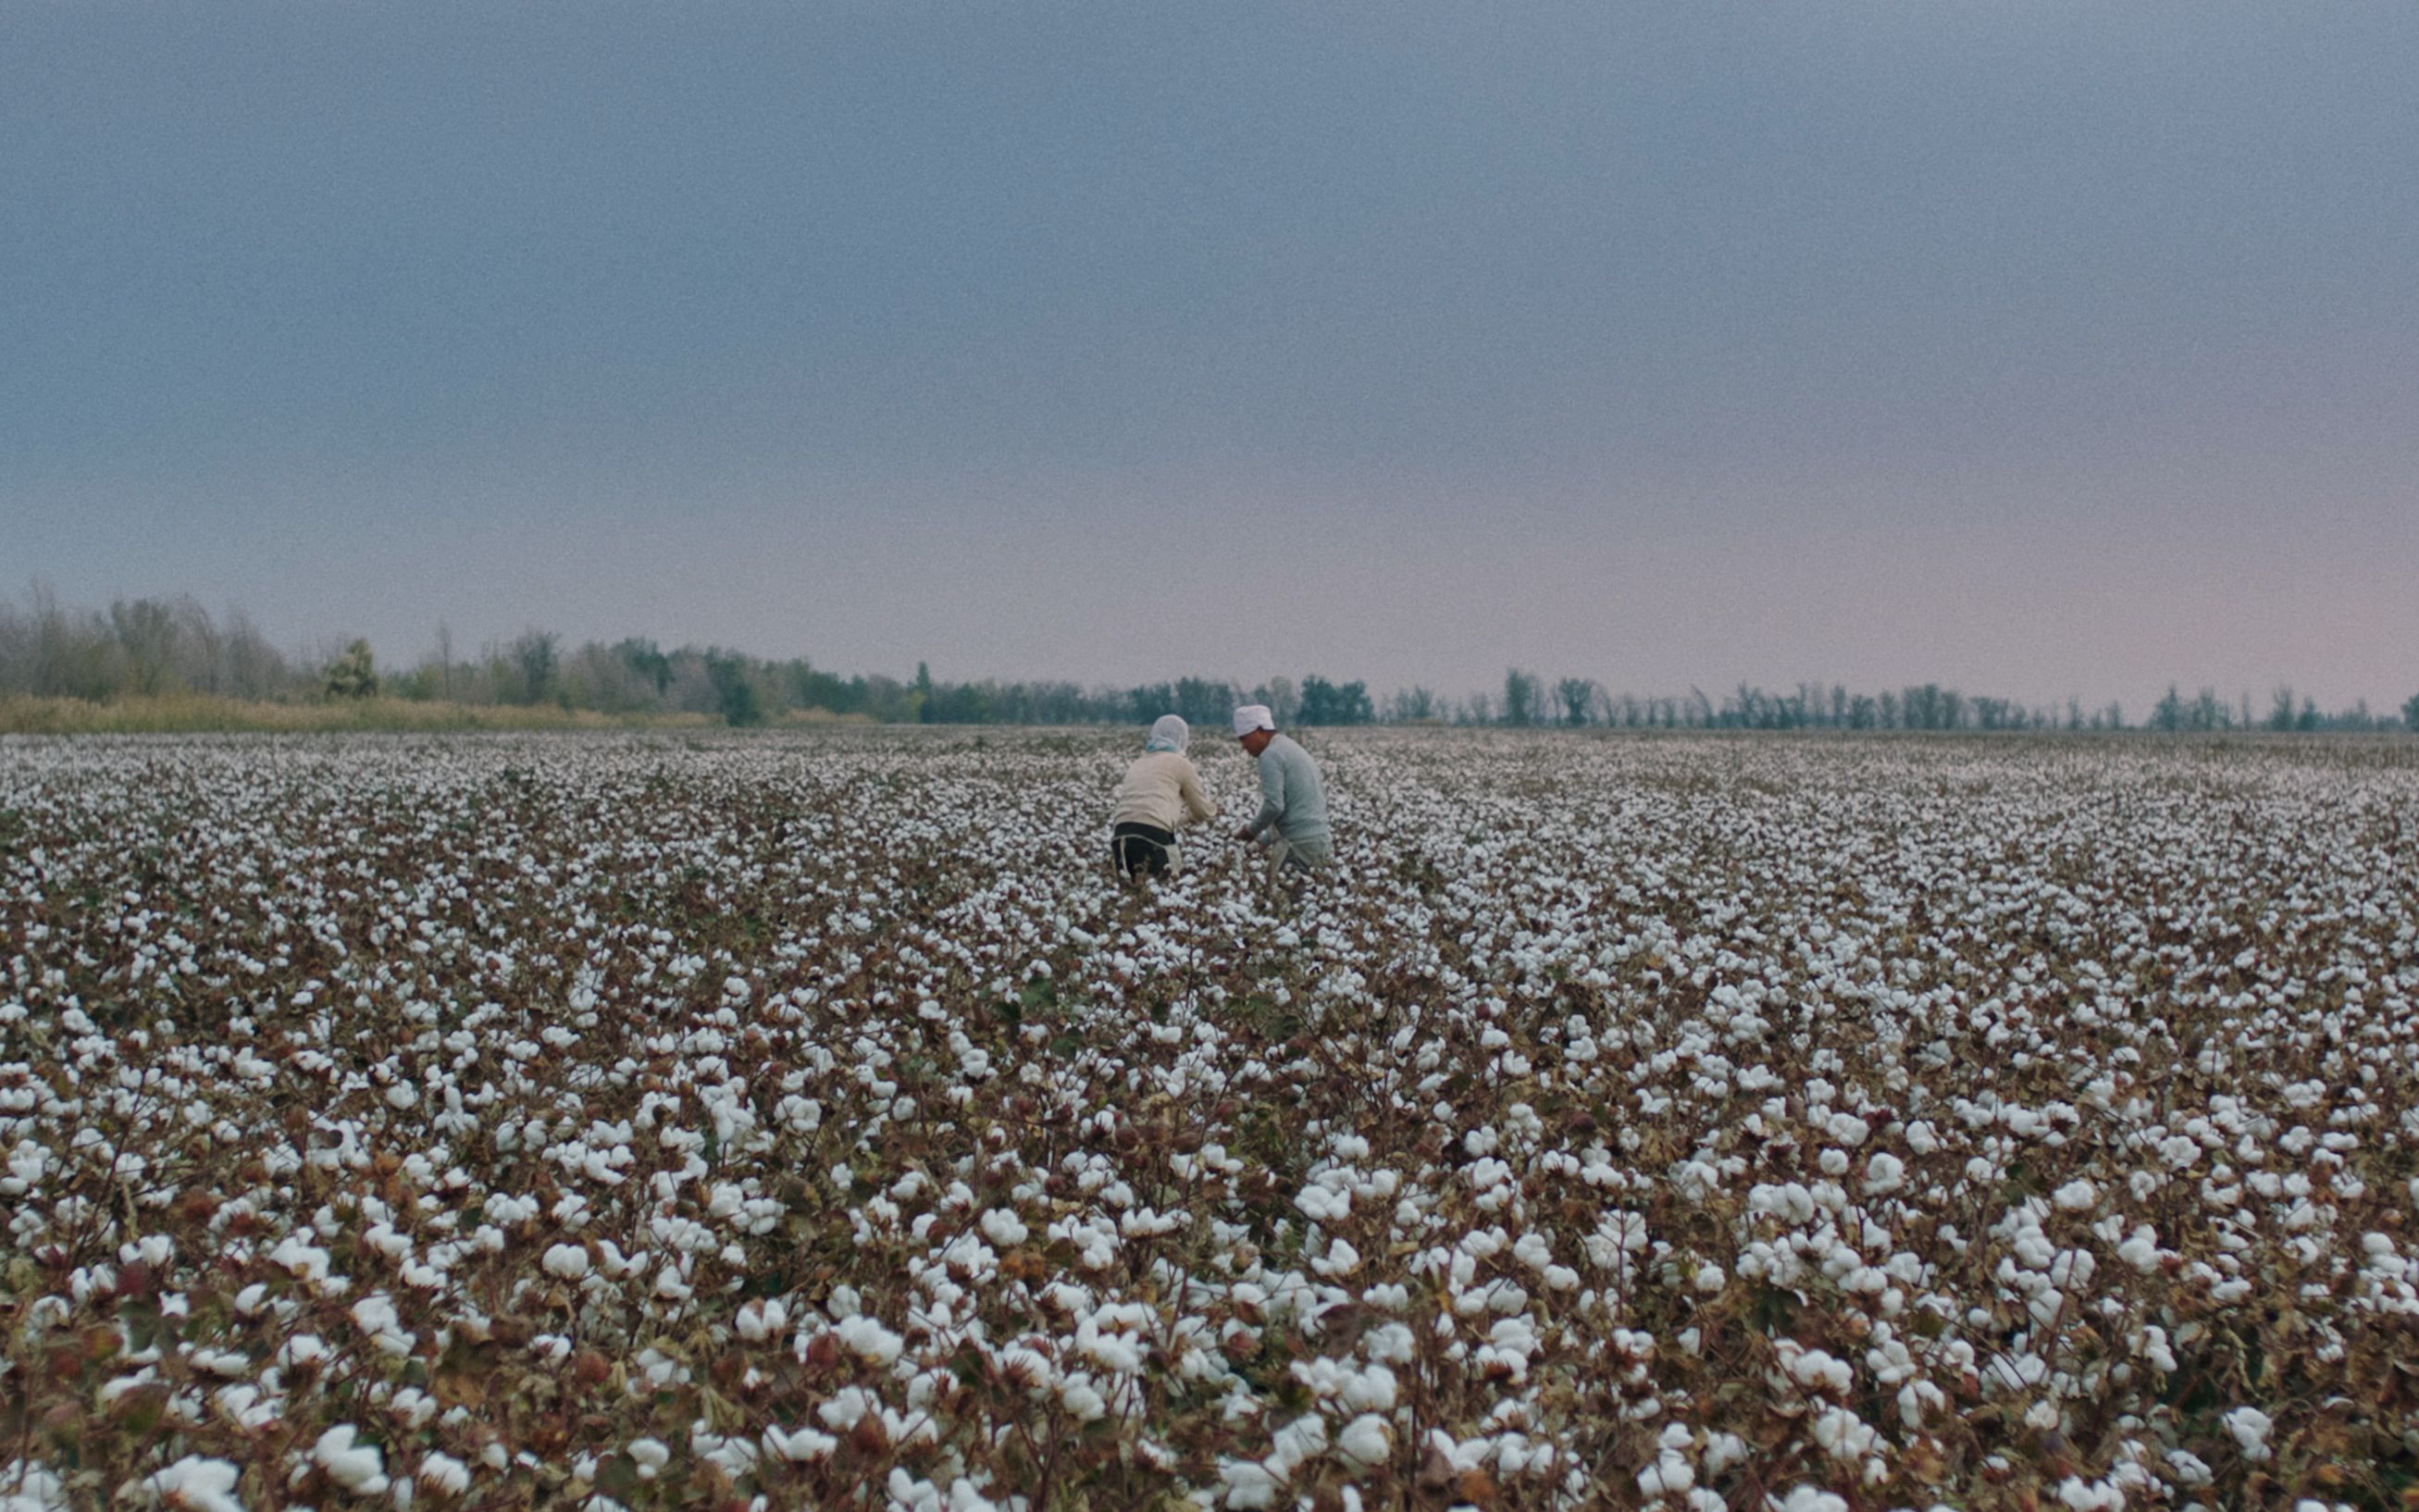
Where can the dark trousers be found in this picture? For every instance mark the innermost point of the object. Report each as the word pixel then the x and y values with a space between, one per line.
pixel 1141 850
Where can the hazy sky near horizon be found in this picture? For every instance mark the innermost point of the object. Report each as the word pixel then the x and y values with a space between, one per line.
pixel 2037 348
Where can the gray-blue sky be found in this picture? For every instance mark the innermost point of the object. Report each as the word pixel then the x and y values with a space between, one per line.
pixel 2041 349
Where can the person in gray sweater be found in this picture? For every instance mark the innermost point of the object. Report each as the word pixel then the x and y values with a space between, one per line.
pixel 1292 821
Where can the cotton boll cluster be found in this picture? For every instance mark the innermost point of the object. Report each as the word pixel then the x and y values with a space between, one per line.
pixel 1677 1120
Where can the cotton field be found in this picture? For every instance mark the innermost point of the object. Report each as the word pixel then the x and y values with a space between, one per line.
pixel 813 1119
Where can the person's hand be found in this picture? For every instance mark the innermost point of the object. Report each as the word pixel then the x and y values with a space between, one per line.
pixel 1245 833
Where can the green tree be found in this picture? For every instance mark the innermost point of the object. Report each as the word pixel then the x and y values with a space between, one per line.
pixel 354 675
pixel 1148 700
pixel 1520 697
pixel 2169 714
pixel 646 661
pixel 532 659
pixel 1204 702
pixel 2410 713
pixel 1326 703
pixel 735 691
pixel 1576 695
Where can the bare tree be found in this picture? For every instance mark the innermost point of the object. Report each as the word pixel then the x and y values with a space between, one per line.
pixel 2280 707
pixel 147 643
pixel 255 668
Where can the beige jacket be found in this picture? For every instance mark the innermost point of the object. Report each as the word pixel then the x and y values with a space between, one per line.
pixel 1160 788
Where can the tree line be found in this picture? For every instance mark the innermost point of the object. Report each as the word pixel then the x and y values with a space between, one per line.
pixel 148 647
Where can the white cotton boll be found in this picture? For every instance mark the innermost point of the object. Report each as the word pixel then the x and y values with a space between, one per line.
pixel 1111 1350
pixel 413 1406
pixel 2075 1197
pixel 1297 1441
pixel 869 1340
pixel 192 1482
pixel 444 1475
pixel 651 1455
pixel 1669 1475
pixel 2250 1428
pixel 1081 1397
pixel 1391 1342
pixel 1340 1259
pixel 251 1299
pixel 1819 1371
pixel 1366 1440
pixel 761 1319
pixel 1833 1161
pixel 356 1466
pixel 1884 1172
pixel 2188 1469
pixel 1323 1206
pixel 569 1261
pixel 1372 1388
pixel 1709 1279
pixel 1813 1499
pixel 1916 1399
pixel 305 1261
pixel 1843 1434
pixel 846 1407
pixel 1722 1450
pixel 2090 1495
pixel 1250 1484
pixel 1003 1227
pixel 801 1446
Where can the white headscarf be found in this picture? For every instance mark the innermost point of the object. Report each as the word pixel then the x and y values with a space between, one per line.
pixel 1252 717
pixel 1168 732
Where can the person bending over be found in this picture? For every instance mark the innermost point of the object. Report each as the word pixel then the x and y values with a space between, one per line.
pixel 1159 792
pixel 1292 821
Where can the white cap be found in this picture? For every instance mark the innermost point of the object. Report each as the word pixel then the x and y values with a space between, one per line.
pixel 1252 717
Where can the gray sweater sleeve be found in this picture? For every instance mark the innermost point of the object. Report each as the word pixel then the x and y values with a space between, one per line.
pixel 1273 792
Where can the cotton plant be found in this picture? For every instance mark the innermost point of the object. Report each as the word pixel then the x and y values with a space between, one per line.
pixel 808 1110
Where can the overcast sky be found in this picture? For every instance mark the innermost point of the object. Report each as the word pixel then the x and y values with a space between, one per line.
pixel 2037 348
